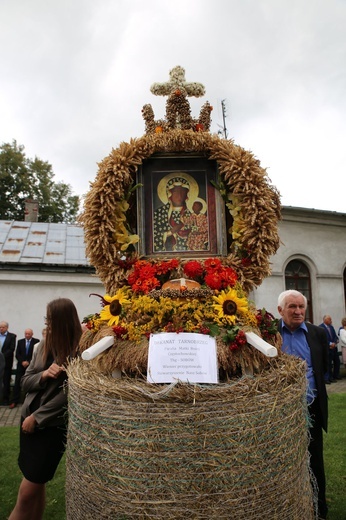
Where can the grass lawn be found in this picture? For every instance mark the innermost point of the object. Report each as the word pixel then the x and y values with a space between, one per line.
pixel 335 462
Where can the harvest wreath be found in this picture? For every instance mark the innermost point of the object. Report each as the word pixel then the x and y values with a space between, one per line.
pixel 110 205
pixel 138 300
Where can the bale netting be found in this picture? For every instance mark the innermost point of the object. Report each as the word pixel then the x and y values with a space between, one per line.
pixel 181 451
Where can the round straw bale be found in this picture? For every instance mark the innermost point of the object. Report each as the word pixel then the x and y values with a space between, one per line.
pixel 235 450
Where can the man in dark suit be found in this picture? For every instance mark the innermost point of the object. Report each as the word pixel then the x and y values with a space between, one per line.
pixel 2 368
pixel 309 342
pixel 25 348
pixel 333 373
pixel 7 346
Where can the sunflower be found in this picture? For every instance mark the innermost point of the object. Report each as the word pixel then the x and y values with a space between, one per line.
pixel 111 313
pixel 229 305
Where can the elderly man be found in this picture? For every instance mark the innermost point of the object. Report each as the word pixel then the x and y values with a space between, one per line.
pixel 24 351
pixel 7 346
pixel 308 342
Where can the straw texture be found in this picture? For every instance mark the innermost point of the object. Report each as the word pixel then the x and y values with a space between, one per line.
pixel 227 451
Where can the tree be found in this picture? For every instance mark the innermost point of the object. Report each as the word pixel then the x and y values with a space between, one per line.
pixel 22 178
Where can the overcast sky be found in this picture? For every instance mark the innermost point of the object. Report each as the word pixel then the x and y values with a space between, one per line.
pixel 76 73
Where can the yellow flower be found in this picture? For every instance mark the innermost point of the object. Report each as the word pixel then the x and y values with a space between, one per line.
pixel 235 234
pixel 229 305
pixel 111 313
pixel 131 239
pixel 121 207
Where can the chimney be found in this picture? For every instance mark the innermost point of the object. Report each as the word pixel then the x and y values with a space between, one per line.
pixel 31 211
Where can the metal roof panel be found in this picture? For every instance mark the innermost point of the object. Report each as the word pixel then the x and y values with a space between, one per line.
pixel 42 242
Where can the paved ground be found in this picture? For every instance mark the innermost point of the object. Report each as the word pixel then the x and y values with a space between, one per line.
pixel 12 417
pixel 9 417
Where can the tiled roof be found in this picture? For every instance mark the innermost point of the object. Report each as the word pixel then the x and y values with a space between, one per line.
pixel 42 243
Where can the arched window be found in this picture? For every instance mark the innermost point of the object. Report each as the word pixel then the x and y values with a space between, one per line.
pixel 297 276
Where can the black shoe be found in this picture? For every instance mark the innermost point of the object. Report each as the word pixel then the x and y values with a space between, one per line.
pixel 338 378
pixel 333 381
pixel 327 382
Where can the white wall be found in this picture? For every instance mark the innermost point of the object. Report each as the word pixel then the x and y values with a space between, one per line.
pixel 24 297
pixel 318 239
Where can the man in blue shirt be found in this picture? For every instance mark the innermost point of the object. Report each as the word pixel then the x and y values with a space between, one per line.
pixel 308 342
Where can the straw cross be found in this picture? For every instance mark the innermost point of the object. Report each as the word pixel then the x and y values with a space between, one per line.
pixel 177 82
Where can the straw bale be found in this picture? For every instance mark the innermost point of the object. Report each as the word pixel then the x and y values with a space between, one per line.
pixel 235 450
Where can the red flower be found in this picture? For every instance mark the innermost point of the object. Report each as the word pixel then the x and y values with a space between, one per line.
pixel 126 264
pixel 142 278
pixel 241 338
pixel 213 280
pixel 171 327
pixel 193 269
pixel 165 267
pixel 239 341
pixel 120 332
pixel 137 286
pixel 147 271
pixel 149 284
pixel 212 263
pixel 204 330
pixel 229 277
pixel 141 263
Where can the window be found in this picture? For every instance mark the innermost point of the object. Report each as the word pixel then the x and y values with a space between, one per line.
pixel 297 277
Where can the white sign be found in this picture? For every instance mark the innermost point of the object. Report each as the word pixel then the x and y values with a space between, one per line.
pixel 187 357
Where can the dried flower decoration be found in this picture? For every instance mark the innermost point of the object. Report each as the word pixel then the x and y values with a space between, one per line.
pixel 178 112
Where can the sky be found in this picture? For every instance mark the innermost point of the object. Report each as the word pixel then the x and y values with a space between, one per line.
pixel 75 75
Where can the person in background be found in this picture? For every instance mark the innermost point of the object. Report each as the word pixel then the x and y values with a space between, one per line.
pixel 24 351
pixel 2 368
pixel 43 416
pixel 7 346
pixel 342 340
pixel 308 342
pixel 41 342
pixel 333 373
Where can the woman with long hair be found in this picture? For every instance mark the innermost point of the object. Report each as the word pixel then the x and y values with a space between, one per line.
pixel 44 412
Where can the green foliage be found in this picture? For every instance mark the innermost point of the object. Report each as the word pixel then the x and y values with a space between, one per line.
pixel 22 178
pixel 334 456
